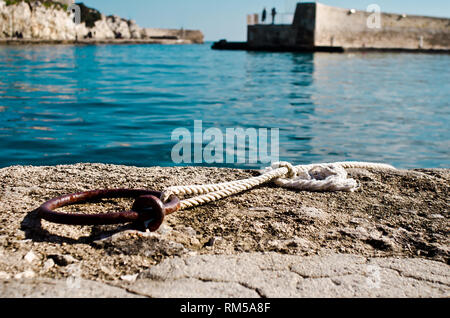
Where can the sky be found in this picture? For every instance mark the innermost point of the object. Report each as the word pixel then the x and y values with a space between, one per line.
pixel 226 19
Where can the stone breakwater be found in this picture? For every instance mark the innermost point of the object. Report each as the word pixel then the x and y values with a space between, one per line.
pixel 47 21
pixel 388 239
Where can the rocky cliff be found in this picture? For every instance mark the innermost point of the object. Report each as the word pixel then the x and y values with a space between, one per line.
pixel 53 21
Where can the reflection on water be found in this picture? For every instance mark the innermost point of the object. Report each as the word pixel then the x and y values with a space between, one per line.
pixel 119 104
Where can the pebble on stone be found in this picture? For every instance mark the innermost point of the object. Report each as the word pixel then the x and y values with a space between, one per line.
pixel 4 276
pixel 30 257
pixel 129 278
pixel 25 275
pixel 48 264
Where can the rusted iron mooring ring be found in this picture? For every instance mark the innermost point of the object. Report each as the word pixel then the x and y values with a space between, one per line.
pixel 147 208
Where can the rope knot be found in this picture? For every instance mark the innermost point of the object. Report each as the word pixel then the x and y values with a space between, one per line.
pixel 292 172
pixel 316 177
pixel 321 172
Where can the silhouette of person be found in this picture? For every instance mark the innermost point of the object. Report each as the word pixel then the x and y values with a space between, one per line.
pixel 264 15
pixel 274 13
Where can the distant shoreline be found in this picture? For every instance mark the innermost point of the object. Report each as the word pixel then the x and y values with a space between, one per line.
pixel 23 22
pixel 94 41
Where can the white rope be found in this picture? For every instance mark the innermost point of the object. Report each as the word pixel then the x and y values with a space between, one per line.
pixel 314 177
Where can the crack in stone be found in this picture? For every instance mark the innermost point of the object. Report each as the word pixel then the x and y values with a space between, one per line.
pixel 130 291
pixel 420 279
pixel 209 280
pixel 320 277
pixel 257 290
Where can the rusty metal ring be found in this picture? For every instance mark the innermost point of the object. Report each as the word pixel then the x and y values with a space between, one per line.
pixel 147 208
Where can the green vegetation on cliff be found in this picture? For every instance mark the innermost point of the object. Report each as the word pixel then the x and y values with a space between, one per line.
pixel 45 3
pixel 88 15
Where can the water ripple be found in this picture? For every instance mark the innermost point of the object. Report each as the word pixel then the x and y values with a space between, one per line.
pixel 119 104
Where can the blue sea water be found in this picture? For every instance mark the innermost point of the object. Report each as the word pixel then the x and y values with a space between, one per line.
pixel 120 103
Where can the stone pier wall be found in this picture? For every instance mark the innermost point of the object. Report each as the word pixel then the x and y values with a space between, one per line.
pixel 318 26
pixel 271 36
pixel 340 27
pixel 195 36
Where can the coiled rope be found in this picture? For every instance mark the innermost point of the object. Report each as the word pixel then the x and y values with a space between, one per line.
pixel 313 177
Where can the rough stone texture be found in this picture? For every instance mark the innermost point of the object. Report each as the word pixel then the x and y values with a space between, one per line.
pixel 101 30
pixel 395 227
pixel 35 21
pixel 273 276
pixel 50 288
pixel 119 26
pixel 336 27
pixel 135 30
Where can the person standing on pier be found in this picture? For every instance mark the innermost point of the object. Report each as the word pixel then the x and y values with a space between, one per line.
pixel 264 15
pixel 274 13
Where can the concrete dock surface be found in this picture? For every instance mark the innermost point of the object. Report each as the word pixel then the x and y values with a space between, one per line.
pixel 388 239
